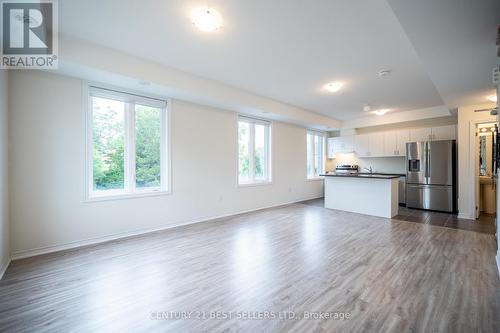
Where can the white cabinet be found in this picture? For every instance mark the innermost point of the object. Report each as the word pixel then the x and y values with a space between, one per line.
pixel 376 144
pixel 444 132
pixel 390 143
pixel 395 142
pixel 403 136
pixel 369 145
pixel 341 144
pixel 362 145
pixel 448 132
pixel 420 134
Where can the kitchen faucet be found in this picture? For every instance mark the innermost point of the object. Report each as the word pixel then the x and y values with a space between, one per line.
pixel 369 169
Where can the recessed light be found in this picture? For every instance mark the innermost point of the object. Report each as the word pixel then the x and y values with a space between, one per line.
pixel 380 112
pixel 492 98
pixel 206 19
pixel 333 86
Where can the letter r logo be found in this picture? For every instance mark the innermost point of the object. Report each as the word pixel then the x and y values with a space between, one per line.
pixel 27 27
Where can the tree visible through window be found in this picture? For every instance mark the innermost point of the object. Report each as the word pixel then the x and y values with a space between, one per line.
pixel 253 151
pixel 315 154
pixel 109 143
pixel 128 143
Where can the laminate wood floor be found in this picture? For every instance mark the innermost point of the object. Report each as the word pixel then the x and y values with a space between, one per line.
pixel 264 272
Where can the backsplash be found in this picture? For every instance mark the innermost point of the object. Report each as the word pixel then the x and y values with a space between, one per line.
pixel 378 164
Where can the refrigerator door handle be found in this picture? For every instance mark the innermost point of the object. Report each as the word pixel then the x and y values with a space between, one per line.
pixel 428 162
pixel 425 155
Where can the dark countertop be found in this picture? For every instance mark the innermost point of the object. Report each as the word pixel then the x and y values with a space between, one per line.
pixel 363 175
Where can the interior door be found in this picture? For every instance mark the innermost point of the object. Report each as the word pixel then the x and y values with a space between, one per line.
pixel 476 177
pixel 440 163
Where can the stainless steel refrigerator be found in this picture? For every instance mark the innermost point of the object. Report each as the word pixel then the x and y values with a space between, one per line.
pixel 431 175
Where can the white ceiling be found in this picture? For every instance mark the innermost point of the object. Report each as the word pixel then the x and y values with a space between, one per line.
pixel 455 41
pixel 282 49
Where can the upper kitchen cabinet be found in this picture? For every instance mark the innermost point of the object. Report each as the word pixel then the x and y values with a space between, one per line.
pixel 448 132
pixel 395 142
pixel 341 144
pixel 362 145
pixel 420 134
pixel 403 136
pixel 369 145
pixel 390 143
pixel 377 144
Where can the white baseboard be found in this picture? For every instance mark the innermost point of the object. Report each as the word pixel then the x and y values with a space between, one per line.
pixel 466 216
pixel 4 268
pixel 91 241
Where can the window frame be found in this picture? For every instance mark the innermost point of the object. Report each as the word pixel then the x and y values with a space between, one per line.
pixel 323 154
pixel 130 98
pixel 268 165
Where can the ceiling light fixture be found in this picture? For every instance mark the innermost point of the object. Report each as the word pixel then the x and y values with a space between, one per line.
pixel 333 87
pixel 367 108
pixel 206 19
pixel 492 98
pixel 380 112
pixel 483 129
pixel 384 72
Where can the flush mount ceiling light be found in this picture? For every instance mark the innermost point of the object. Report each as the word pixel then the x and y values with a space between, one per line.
pixel 492 98
pixel 384 72
pixel 381 112
pixel 333 87
pixel 206 19
pixel 367 108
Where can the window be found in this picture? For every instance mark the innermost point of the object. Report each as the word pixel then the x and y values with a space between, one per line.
pixel 315 154
pixel 127 144
pixel 254 151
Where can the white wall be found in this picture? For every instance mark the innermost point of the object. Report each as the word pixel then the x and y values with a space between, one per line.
pixel 466 174
pixel 47 165
pixel 4 214
pixel 117 68
pixel 498 199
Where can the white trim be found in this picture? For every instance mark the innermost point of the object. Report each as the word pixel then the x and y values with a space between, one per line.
pixel 498 262
pixel 473 166
pixel 129 191
pixel 314 179
pixel 125 196
pixel 311 150
pixel 262 183
pixel 96 240
pixel 465 216
pixel 4 268
pixel 268 154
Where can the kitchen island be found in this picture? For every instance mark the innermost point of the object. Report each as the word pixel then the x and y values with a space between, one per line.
pixel 364 193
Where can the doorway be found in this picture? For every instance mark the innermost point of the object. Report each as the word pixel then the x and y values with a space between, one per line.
pixel 485 171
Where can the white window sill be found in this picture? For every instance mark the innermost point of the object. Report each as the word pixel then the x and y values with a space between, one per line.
pixel 125 196
pixel 313 179
pixel 255 184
